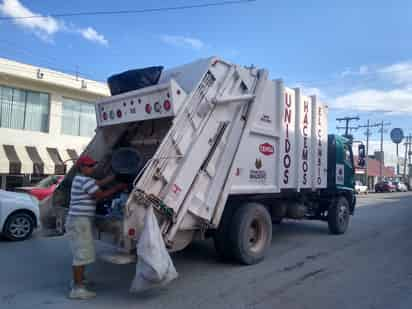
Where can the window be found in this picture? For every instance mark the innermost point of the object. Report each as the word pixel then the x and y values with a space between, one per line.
pixel 24 109
pixel 348 155
pixel 78 118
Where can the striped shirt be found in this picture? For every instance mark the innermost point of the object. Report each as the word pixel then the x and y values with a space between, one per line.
pixel 82 203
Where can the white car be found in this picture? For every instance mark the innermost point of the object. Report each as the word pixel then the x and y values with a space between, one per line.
pixel 400 186
pixel 360 188
pixel 19 215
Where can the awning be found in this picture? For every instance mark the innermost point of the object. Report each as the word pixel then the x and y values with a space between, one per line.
pixel 17 159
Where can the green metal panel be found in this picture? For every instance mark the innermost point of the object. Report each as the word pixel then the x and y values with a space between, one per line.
pixel 340 163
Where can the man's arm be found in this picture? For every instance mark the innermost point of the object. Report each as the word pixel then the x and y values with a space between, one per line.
pixel 105 180
pixel 100 194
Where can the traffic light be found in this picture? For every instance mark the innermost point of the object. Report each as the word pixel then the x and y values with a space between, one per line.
pixel 361 155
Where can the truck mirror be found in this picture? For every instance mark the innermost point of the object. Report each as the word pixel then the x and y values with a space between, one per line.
pixel 361 155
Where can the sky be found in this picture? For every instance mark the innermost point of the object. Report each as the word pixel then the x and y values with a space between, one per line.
pixel 356 55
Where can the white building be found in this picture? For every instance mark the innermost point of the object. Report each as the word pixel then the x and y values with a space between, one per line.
pixel 46 120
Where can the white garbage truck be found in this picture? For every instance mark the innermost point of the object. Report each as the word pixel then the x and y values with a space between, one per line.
pixel 224 152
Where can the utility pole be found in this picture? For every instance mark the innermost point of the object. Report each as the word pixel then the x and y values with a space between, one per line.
pixel 368 133
pixel 408 143
pixel 381 124
pixel 347 121
pixel 409 156
pixel 410 152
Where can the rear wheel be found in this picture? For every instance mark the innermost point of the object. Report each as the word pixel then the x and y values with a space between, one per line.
pixel 338 216
pixel 19 226
pixel 250 233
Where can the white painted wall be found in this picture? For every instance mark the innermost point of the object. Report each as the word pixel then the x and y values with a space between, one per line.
pixel 57 85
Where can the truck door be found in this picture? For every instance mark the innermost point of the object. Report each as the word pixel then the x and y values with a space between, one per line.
pixel 348 166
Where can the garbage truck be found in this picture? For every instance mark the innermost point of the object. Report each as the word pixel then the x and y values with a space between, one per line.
pixel 216 150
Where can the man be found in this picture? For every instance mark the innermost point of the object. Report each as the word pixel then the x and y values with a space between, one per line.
pixel 85 191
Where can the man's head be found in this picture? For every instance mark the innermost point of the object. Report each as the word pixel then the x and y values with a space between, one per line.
pixel 86 165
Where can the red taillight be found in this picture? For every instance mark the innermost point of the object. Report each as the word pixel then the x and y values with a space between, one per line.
pixel 104 116
pixel 119 113
pixel 148 108
pixel 131 232
pixel 167 105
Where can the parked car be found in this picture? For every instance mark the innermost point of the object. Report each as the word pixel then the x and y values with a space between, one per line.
pixel 385 186
pixel 360 187
pixel 44 188
pixel 400 186
pixel 19 215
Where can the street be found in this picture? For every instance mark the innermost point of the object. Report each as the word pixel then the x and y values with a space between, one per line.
pixel 368 267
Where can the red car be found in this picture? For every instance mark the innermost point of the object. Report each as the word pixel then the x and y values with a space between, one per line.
pixel 385 186
pixel 44 188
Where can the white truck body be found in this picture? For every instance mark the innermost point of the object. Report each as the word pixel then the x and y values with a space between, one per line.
pixel 220 130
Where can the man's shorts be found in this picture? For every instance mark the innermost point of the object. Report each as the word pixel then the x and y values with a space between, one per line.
pixel 80 233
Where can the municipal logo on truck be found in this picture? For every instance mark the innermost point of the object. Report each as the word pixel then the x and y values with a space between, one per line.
pixel 266 149
pixel 340 174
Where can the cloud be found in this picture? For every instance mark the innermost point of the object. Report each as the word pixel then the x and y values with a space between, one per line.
pixel 308 91
pixel 396 101
pixel 363 70
pixel 398 73
pixel 182 41
pixel 45 27
pixel 92 35
pixel 390 94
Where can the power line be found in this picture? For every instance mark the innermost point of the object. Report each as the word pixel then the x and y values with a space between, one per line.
pixel 347 121
pixel 47 60
pixel 136 11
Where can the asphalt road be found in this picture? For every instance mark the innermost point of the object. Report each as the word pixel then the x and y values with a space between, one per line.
pixel 369 267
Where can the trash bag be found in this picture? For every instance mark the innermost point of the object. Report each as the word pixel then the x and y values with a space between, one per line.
pixel 134 79
pixel 154 266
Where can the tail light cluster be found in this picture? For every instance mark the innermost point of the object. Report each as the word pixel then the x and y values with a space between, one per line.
pixel 157 107
pixel 149 108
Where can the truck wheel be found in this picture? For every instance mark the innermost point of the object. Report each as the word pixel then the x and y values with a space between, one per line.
pixel 250 233
pixel 338 216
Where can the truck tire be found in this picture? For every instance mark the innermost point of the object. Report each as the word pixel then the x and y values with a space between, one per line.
pixel 250 233
pixel 338 215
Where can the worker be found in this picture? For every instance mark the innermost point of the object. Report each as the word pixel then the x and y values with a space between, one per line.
pixel 85 191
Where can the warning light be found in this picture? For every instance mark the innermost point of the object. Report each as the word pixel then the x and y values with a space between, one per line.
pixel 119 113
pixel 157 107
pixel 148 108
pixel 131 232
pixel 104 116
pixel 167 105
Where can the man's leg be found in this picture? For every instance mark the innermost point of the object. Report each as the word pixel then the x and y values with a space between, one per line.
pixel 81 240
pixel 78 275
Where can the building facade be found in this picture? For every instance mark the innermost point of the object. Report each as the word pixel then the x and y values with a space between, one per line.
pixel 46 120
pixel 370 174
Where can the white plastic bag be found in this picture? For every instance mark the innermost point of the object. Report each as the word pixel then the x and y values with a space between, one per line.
pixel 154 266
